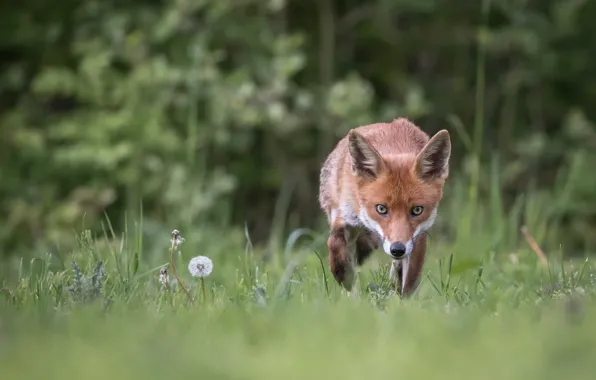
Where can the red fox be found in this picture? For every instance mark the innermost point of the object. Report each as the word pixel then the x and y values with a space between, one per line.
pixel 381 186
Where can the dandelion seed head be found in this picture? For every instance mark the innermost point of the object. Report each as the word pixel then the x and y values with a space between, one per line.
pixel 164 278
pixel 200 266
pixel 176 239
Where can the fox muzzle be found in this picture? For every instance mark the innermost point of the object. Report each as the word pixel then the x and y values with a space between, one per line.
pixel 397 250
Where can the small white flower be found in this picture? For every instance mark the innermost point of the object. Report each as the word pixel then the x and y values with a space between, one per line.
pixel 176 239
pixel 200 266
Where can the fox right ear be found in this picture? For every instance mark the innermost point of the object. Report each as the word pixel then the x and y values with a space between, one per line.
pixel 432 162
pixel 366 161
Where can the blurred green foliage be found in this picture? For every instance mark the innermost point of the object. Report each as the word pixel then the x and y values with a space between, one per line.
pixel 220 112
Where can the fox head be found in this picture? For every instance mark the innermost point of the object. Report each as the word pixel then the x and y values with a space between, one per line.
pixel 399 194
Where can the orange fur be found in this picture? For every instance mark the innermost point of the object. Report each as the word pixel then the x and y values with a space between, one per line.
pixel 380 187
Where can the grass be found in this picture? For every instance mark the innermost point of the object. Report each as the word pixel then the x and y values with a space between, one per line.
pixel 487 307
pixel 100 312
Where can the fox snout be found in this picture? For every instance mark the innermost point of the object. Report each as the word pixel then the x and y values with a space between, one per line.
pixel 397 250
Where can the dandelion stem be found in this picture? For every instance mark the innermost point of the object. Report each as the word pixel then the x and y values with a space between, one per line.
pixel 172 249
pixel 203 289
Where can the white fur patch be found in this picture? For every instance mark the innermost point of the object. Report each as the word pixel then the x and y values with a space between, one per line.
pixel 404 272
pixel 370 223
pixel 427 224
pixel 333 215
pixel 405 266
pixel 349 215
pixel 422 227
pixel 409 246
pixel 374 226
pixel 387 247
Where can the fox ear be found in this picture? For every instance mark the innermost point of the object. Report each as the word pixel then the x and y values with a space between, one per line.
pixel 432 162
pixel 367 163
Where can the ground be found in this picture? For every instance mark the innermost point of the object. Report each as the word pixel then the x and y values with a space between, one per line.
pixel 474 317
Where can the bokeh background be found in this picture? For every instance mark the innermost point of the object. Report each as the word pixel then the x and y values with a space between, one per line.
pixel 214 116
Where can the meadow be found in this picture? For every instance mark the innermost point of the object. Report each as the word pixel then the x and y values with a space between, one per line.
pixel 101 311
pixel 122 121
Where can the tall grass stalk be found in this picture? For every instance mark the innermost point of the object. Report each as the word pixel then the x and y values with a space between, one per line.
pixel 175 236
pixel 478 115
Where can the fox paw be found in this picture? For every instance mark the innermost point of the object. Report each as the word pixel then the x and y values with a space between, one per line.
pixel 343 272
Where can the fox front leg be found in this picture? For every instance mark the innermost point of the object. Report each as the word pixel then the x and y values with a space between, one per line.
pixel 340 259
pixel 405 274
pixel 396 275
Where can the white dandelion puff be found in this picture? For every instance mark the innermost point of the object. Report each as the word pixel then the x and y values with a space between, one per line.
pixel 200 266
pixel 176 239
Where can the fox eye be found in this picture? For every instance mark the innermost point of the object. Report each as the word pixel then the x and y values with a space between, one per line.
pixel 417 210
pixel 381 209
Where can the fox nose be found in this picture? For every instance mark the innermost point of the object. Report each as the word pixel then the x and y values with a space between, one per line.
pixel 397 250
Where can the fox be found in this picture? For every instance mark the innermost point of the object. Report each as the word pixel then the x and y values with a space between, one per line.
pixel 381 186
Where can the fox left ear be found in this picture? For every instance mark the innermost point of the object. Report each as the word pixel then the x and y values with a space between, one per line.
pixel 432 162
pixel 366 160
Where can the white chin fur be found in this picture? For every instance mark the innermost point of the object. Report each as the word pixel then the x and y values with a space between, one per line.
pixel 405 265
